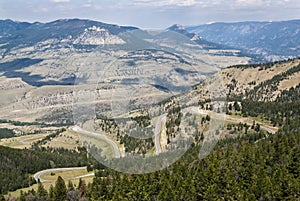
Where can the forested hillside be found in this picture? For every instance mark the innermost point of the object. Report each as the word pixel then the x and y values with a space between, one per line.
pixel 17 166
pixel 253 167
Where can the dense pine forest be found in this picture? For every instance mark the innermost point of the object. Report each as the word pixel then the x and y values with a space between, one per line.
pixel 251 167
pixel 247 168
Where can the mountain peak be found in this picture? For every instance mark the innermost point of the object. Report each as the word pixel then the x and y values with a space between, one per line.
pixel 177 28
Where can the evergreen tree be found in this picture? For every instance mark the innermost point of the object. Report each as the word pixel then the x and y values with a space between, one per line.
pixel 51 192
pixel 236 106
pixel 82 188
pixel 70 186
pixel 22 196
pixel 60 190
pixel 41 191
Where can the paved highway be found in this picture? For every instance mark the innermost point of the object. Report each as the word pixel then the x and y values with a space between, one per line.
pixel 158 132
pixel 98 136
pixel 37 176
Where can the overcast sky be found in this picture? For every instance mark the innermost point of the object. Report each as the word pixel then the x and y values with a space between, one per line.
pixel 151 13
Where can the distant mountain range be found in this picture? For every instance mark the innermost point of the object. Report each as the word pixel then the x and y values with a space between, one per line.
pixel 39 53
pixel 272 40
pixel 85 32
pixel 41 62
pixel 51 53
pixel 14 34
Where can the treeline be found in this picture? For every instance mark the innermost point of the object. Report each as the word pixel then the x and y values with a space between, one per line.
pixel 17 166
pixel 36 145
pixel 262 66
pixel 293 94
pixel 6 133
pixel 238 170
pixel 278 113
pixel 60 192
pixel 249 167
pixel 264 90
pixel 35 123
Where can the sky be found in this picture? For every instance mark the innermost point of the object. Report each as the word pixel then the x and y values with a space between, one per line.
pixel 151 14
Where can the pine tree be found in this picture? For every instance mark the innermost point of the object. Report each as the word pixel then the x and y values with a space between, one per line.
pixel 60 190
pixel 82 188
pixel 41 190
pixel 51 192
pixel 22 197
pixel 70 186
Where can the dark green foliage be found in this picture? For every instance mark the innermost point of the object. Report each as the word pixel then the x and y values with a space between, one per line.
pixel 42 124
pixel 70 186
pixel 236 106
pixel 256 166
pixel 6 133
pixel 51 192
pixel 207 118
pixel 278 113
pixel 16 166
pixel 143 121
pixel 41 191
pixel 236 170
pixel 60 190
pixel 293 94
pixel 134 145
pixel 82 188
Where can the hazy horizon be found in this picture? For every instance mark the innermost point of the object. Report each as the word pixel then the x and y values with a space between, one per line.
pixel 155 14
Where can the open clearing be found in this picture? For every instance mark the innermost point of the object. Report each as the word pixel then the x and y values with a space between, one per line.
pixel 22 142
pixel 69 175
pixel 67 139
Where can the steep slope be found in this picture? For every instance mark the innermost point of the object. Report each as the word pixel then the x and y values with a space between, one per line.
pixel 274 81
pixel 269 82
pixel 272 40
pixel 263 82
pixel 9 27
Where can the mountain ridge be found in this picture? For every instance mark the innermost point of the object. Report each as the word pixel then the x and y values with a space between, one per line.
pixel 273 40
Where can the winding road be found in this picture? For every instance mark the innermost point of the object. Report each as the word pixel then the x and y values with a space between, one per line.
pixel 158 132
pixel 195 110
pixel 37 176
pixel 267 129
pixel 100 136
pixel 158 129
